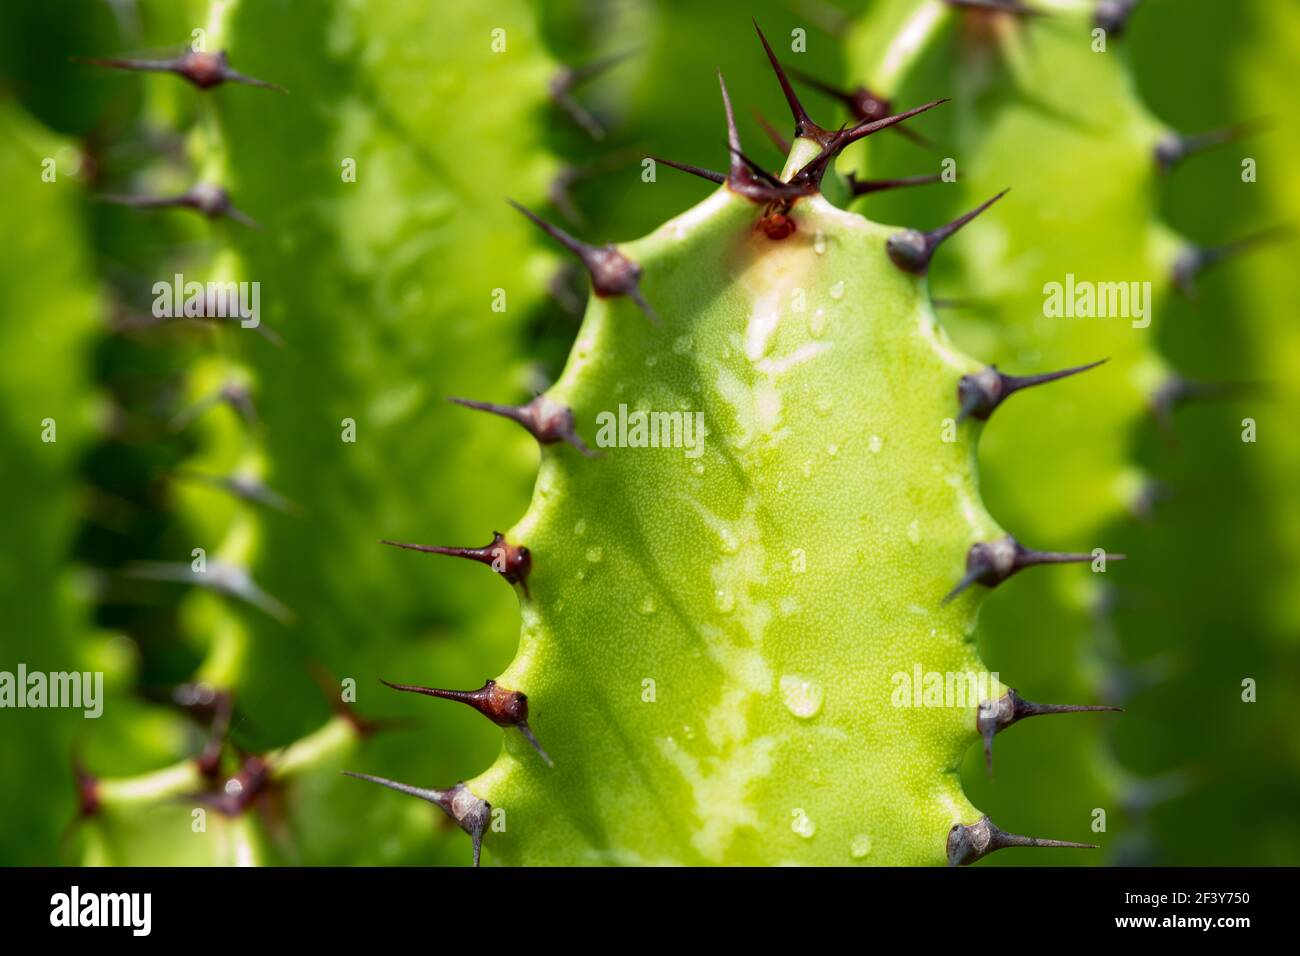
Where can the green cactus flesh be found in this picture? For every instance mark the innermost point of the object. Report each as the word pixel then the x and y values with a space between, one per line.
pixel 718 664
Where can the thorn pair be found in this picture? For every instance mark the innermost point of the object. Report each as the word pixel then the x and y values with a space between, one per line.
pixel 546 420
pixel 995 716
pixel 505 708
pixel 832 142
pixel 569 78
pixel 470 813
pixel 980 393
pixel 1175 147
pixel 204 70
pixel 212 201
pixel 749 179
pixel 911 250
pixel 966 844
pixel 1196 259
pixel 612 273
pixel 512 562
pixel 991 562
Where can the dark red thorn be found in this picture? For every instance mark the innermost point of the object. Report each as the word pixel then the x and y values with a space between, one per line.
pixel 209 759
pixel 612 273
pixel 991 562
pixel 813 171
pixel 1174 147
pixel 745 177
pixel 979 394
pixel 864 187
pixel 364 726
pixel 1014 7
pixel 240 791
pixel 212 201
pixel 204 70
pixel 779 141
pixel 911 250
pixel 803 124
pixel 966 844
pixel 1196 259
pixel 505 708
pixel 864 104
pixel 995 716
pixel 1112 15
pixel 568 79
pixel 471 814
pixel 87 785
pixel 546 420
pixel 512 562
pixel 703 173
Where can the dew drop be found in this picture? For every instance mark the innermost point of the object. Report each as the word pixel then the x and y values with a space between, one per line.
pixel 801 824
pixel 837 290
pixel 860 847
pixel 802 695
pixel 819 244
pixel 817 323
pixel 875 444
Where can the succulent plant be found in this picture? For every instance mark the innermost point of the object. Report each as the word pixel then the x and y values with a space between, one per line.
pixel 758 545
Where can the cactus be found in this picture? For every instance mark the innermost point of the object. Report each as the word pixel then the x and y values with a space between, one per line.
pixel 736 716
pixel 683 690
pixel 365 341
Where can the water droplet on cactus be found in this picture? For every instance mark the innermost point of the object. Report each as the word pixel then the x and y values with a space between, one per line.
pixel 819 244
pixel 802 696
pixel 802 824
pixel 817 324
pixel 837 290
pixel 860 847
pixel 875 443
